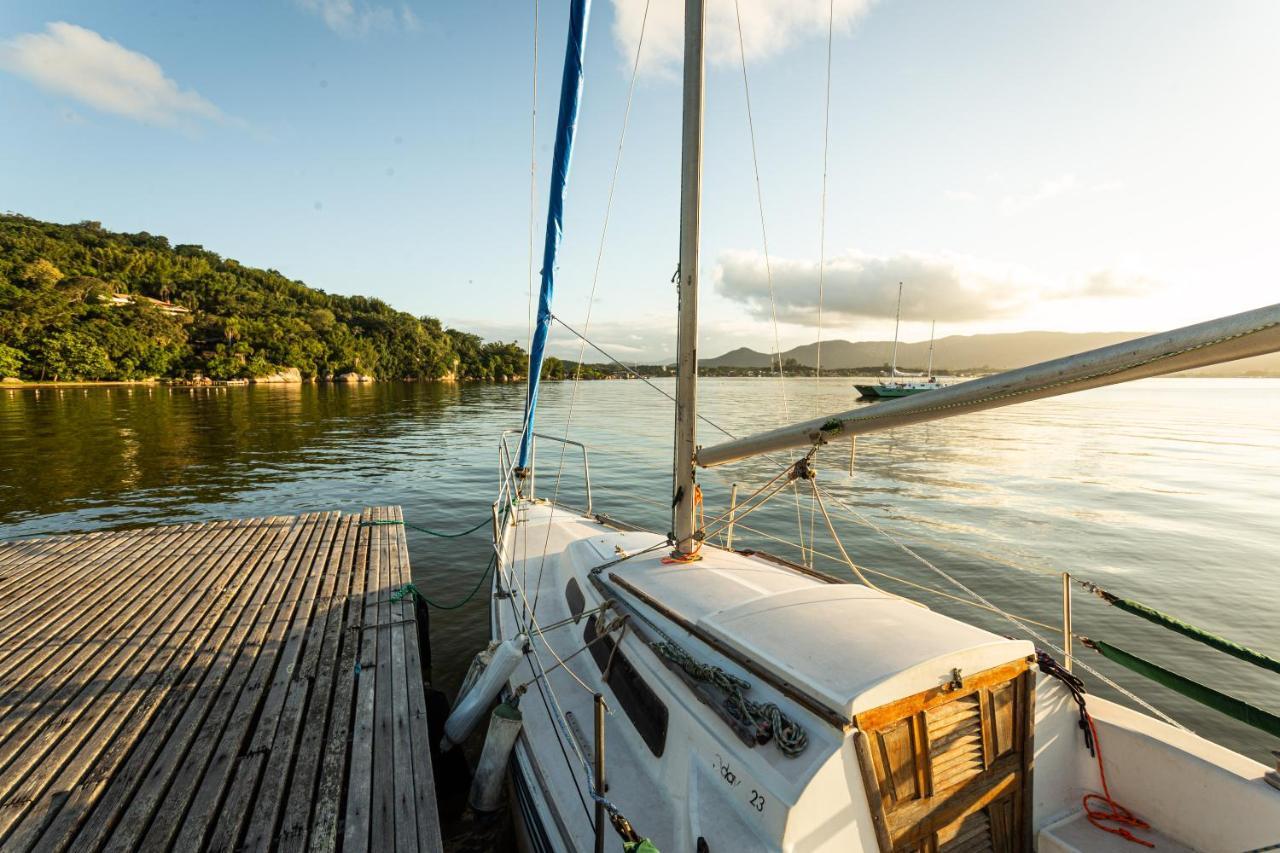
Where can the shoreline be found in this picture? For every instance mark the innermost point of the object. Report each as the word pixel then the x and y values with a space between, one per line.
pixel 236 383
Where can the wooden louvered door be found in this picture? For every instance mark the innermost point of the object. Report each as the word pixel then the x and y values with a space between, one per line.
pixel 949 770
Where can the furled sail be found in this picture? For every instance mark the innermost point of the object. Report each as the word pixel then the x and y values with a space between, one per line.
pixel 566 125
pixel 1239 336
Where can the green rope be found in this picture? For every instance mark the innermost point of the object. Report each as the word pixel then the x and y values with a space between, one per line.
pixel 1231 706
pixel 1200 635
pixel 410 589
pixel 382 523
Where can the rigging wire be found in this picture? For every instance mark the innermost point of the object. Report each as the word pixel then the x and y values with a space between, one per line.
pixel 533 658
pixel 764 240
pixel 897 579
pixel 558 716
pixel 533 178
pixel 822 219
pixel 978 597
pixel 822 248
pixel 595 282
pixel 932 541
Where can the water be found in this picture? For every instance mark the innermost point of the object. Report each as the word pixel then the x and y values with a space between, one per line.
pixel 1164 491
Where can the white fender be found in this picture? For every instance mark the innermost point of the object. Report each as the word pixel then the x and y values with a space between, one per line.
pixel 471 705
pixel 486 787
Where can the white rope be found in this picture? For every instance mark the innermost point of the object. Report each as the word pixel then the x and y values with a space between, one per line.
pixel 1009 616
pixel 897 579
pixel 835 537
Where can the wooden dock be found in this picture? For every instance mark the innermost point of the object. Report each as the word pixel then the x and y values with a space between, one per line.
pixel 240 685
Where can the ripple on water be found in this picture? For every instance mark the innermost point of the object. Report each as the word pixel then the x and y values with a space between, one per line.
pixel 1164 490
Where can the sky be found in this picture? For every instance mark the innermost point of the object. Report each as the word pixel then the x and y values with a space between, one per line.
pixel 1092 166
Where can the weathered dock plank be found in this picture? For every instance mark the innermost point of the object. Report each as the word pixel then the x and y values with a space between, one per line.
pixel 222 686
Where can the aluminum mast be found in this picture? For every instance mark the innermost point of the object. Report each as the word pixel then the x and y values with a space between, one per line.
pixel 683 476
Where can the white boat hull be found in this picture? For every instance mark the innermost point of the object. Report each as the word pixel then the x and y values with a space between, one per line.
pixel 705 782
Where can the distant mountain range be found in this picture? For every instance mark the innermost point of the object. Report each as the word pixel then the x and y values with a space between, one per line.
pixel 976 353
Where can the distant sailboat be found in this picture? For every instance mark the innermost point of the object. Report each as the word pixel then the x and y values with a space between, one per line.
pixel 895 387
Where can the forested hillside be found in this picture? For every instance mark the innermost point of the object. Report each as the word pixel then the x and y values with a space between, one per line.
pixel 79 302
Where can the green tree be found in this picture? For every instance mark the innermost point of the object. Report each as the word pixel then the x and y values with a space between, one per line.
pixel 10 361
pixel 41 273
pixel 71 355
pixel 552 368
pixel 234 321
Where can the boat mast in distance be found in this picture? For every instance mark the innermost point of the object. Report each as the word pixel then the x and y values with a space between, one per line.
pixel 933 328
pixel 684 476
pixel 897 320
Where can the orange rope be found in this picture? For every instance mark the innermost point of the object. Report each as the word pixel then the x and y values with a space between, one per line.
pixel 693 556
pixel 1114 812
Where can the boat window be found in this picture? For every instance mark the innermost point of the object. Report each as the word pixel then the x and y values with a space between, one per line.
pixel 641 705
pixel 575 599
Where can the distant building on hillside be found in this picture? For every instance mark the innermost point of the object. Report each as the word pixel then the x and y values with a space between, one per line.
pixel 130 299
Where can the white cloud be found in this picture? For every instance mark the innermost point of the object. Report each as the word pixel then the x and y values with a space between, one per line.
pixel 855 286
pixel 1063 186
pixel 70 60
pixel 356 18
pixel 768 28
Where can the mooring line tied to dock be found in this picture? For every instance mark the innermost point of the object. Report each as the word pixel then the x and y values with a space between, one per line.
pixel 410 589
pixel 387 522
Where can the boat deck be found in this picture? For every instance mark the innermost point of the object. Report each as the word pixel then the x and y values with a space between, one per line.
pixel 252 684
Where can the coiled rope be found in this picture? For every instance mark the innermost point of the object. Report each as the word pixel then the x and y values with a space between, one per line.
pixel 765 719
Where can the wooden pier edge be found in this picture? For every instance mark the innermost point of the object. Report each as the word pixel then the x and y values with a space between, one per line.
pixel 254 684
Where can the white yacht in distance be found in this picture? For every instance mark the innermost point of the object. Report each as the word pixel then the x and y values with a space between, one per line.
pixel 678 694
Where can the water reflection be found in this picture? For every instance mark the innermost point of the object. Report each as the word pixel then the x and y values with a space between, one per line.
pixel 1142 488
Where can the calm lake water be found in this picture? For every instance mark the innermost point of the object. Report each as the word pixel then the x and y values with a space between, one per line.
pixel 1164 490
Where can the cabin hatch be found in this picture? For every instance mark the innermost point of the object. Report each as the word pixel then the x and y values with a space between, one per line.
pixel 948 770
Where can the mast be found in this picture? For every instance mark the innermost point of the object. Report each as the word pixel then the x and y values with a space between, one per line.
pixel 929 371
pixel 897 318
pixel 566 125
pixel 683 476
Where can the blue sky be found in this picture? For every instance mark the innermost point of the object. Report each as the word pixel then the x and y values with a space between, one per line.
pixel 1085 166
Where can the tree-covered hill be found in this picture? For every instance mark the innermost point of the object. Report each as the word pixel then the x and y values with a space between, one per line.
pixel 79 302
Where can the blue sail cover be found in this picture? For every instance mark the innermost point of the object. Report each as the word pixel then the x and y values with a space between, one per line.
pixel 566 125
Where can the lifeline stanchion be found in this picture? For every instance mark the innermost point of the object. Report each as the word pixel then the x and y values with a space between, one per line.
pixel 733 514
pixel 1066 621
pixel 599 774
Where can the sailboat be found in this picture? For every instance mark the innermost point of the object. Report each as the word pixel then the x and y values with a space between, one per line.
pixel 896 386
pixel 677 694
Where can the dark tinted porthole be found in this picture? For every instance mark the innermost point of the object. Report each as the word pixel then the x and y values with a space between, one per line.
pixel 575 599
pixel 641 705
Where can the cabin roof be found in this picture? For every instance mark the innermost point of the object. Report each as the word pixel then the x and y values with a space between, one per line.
pixel 848 646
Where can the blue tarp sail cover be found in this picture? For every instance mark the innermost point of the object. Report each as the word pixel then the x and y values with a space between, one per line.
pixel 566 125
